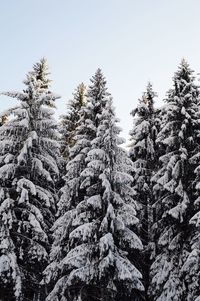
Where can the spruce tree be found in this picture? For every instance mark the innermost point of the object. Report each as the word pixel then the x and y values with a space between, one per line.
pixel 70 121
pixel 191 267
pixel 94 247
pixel 28 169
pixel 143 153
pixel 173 190
pixel 71 193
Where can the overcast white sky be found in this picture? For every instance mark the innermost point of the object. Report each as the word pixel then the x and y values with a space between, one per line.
pixel 133 41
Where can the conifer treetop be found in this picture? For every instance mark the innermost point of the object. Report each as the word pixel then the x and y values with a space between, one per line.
pixel 71 120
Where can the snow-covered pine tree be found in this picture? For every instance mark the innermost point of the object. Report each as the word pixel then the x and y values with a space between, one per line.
pixel 143 153
pixel 28 169
pixel 95 248
pixel 71 193
pixel 173 190
pixel 70 121
pixel 191 267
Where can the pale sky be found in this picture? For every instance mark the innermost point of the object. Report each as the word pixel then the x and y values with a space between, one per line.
pixel 132 41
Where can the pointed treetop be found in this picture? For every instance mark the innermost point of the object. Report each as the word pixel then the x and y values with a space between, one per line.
pixel 149 89
pixel 79 94
pixel 184 63
pixel 99 72
pixel 40 73
pixel 146 104
pixel 184 72
pixel 37 85
pixel 97 91
pixel 98 77
pixel 148 96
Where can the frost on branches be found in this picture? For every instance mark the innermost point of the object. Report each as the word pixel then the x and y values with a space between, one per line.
pixel 93 248
pixel 171 271
pixel 71 193
pixel 191 268
pixel 28 169
pixel 143 153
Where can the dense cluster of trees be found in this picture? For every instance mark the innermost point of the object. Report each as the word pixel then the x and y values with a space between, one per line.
pixel 81 218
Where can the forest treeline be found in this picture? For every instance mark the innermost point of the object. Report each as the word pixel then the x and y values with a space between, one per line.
pixel 83 219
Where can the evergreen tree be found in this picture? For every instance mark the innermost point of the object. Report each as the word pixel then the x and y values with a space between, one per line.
pixel 71 193
pixel 173 190
pixel 191 267
pixel 28 169
pixel 70 121
pixel 143 153
pixel 95 245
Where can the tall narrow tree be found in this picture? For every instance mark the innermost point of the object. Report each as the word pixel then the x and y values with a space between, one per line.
pixel 70 121
pixel 71 193
pixel 190 269
pixel 173 189
pixel 94 258
pixel 143 153
pixel 28 169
